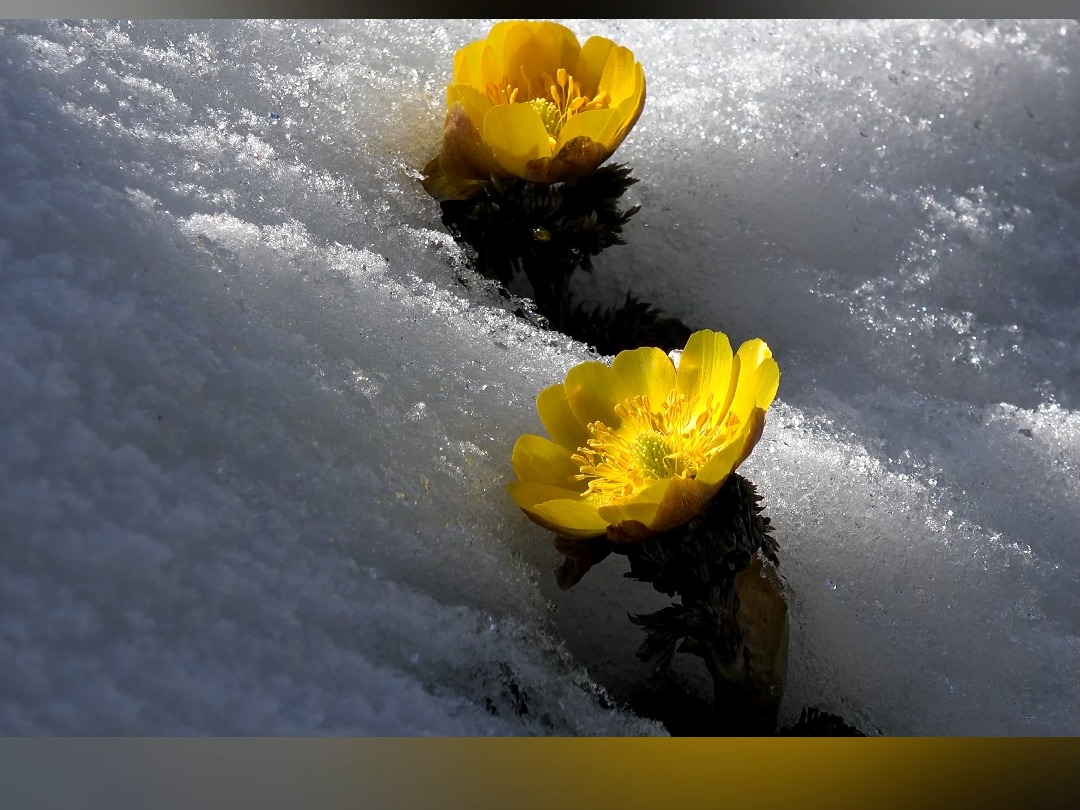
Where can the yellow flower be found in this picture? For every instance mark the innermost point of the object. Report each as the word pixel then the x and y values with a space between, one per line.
pixel 528 101
pixel 642 445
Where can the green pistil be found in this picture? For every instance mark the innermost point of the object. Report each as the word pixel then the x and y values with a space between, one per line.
pixel 549 114
pixel 651 451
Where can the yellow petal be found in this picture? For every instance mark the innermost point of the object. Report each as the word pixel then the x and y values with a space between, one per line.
pixel 758 378
pixel 497 35
pixel 647 371
pixel 556 509
pixel 684 498
pixel 597 125
pixel 643 512
pixel 612 68
pixel 578 157
pixel 593 390
pixel 490 67
pixel 632 522
pixel 723 462
pixel 541 460
pixel 756 426
pixel 535 48
pixel 620 76
pixel 631 107
pixel 705 367
pixel 735 452
pixel 464 155
pixel 516 135
pixel 528 494
pixel 475 103
pixel 559 419
pixel 467 64
pixel 590 64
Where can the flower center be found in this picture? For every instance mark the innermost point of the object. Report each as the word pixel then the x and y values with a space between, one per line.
pixel 549 114
pixel 651 452
pixel 674 440
pixel 556 99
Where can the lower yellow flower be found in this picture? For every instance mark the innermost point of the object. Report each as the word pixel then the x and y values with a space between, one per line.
pixel 641 446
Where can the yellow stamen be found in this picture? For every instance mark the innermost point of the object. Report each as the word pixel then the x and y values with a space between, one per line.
pixel 599 103
pixel 563 99
pixel 674 440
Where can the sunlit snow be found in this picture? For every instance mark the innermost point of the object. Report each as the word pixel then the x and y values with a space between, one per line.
pixel 256 412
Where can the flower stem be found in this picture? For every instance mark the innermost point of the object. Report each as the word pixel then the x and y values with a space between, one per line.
pixel 731 612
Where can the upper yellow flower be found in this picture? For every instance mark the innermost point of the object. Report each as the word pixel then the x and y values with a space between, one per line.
pixel 530 102
pixel 642 445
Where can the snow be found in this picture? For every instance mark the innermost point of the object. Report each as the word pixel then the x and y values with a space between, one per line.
pixel 257 412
